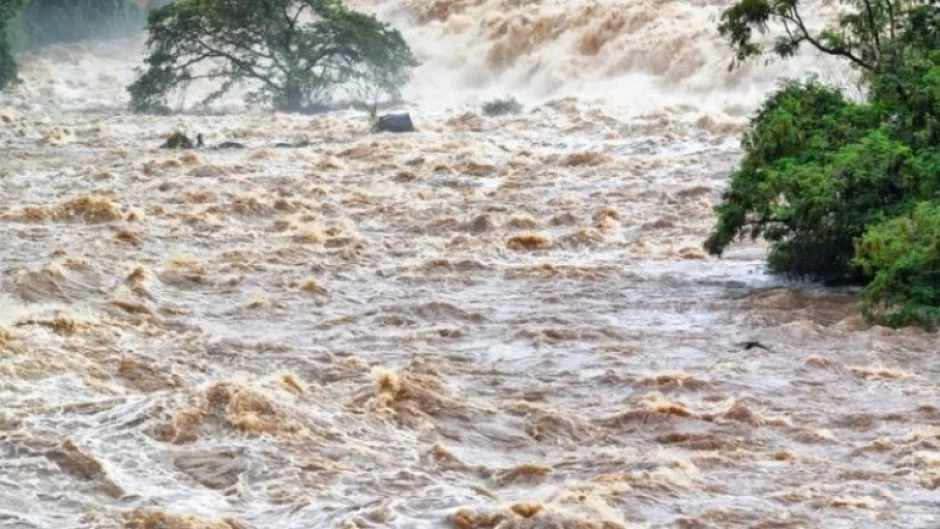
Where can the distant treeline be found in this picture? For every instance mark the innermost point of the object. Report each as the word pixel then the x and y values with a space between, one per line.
pixel 43 22
pixel 30 24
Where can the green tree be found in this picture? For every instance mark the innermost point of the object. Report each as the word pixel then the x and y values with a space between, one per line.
pixel 296 53
pixel 903 257
pixel 827 181
pixel 799 188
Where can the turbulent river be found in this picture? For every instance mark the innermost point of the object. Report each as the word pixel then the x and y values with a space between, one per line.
pixel 491 323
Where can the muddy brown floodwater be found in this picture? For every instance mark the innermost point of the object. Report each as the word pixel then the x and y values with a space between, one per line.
pixel 491 323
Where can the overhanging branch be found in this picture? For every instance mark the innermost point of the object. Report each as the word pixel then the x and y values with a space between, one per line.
pixel 798 20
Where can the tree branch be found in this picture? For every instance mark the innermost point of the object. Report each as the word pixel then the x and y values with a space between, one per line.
pixel 238 45
pixel 891 22
pixel 293 21
pixel 194 60
pixel 312 63
pixel 245 67
pixel 796 19
pixel 874 28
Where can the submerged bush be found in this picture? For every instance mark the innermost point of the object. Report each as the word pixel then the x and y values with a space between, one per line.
pixel 502 107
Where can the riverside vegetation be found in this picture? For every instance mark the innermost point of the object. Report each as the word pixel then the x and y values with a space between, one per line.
pixel 846 192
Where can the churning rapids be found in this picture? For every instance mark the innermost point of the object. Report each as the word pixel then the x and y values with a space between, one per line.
pixel 493 322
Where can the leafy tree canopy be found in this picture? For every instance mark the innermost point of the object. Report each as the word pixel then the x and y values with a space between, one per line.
pixel 903 257
pixel 846 192
pixel 295 53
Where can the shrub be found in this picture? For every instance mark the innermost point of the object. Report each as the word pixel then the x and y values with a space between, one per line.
pixel 502 107
pixel 903 257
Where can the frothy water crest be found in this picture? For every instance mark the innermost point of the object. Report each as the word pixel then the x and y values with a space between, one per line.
pixel 643 56
pixel 490 323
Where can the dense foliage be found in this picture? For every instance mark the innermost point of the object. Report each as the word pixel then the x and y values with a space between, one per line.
pixel 903 257
pixel 846 192
pixel 294 53
pixel 795 186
